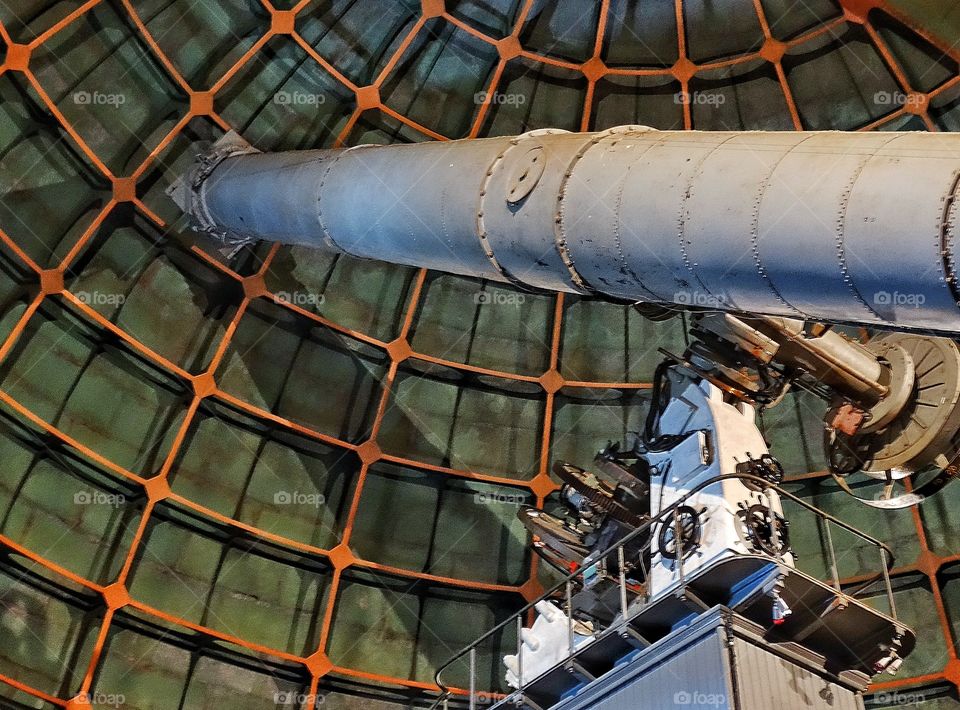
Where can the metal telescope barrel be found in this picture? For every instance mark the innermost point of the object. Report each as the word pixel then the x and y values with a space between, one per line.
pixel 844 227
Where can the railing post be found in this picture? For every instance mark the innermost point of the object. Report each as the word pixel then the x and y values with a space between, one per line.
pixel 774 531
pixel 678 548
pixel 648 571
pixel 623 582
pixel 569 618
pixel 886 580
pixel 833 553
pixel 520 658
pixel 473 678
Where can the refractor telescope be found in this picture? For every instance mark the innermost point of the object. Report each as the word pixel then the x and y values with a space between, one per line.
pixel 774 242
pixel 770 237
pixel 822 226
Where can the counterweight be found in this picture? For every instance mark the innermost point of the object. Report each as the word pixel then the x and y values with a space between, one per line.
pixel 828 226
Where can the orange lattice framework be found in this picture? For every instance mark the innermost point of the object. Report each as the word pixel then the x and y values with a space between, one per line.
pixel 204 385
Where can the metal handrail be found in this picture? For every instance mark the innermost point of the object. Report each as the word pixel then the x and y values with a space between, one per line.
pixel 764 485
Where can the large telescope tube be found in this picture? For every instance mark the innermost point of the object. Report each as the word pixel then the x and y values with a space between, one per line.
pixel 827 226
